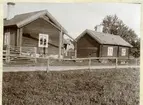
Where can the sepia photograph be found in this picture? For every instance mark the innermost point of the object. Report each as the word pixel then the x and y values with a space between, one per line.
pixel 71 53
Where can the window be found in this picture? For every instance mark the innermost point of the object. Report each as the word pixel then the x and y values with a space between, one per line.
pixel 43 40
pixel 123 52
pixel 110 51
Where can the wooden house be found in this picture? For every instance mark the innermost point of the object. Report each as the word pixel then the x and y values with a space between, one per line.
pixel 97 44
pixel 23 30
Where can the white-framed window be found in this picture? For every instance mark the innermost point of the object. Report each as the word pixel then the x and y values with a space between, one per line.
pixel 123 52
pixel 43 40
pixel 110 51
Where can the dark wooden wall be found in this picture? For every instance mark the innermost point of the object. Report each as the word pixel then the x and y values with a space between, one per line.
pixel 117 51
pixel 87 47
pixel 33 29
pixel 42 26
pixel 120 51
pixel 104 51
pixel 29 42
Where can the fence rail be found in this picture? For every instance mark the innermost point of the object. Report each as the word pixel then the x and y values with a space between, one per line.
pixel 92 62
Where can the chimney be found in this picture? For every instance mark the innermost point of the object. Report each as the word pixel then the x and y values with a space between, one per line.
pixel 99 28
pixel 10 10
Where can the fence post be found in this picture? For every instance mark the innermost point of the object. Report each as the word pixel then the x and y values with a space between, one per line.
pixel 35 52
pixel 75 49
pixel 75 53
pixel 136 61
pixel 89 64
pixel 48 61
pixel 8 54
pixel 20 50
pixel 116 62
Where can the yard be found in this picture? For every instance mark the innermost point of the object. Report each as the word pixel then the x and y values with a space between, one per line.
pixel 81 87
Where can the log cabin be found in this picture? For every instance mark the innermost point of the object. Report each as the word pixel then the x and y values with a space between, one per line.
pixel 23 30
pixel 98 44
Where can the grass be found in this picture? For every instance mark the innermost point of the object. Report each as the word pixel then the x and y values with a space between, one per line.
pixel 81 87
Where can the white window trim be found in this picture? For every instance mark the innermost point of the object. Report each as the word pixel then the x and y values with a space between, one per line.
pixel 43 36
pixel 123 51
pixel 110 51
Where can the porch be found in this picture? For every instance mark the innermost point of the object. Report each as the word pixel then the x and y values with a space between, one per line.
pixel 23 42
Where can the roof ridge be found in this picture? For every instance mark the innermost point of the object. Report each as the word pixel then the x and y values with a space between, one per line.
pixel 31 18
pixel 102 32
pixel 90 31
pixel 21 19
pixel 30 12
pixel 98 36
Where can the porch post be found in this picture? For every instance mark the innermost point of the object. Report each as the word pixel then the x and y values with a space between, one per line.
pixel 62 53
pixel 8 54
pixel 19 36
pixel 21 32
pixel 100 51
pixel 60 44
pixel 75 47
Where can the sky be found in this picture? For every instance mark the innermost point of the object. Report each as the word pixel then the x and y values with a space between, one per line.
pixel 76 17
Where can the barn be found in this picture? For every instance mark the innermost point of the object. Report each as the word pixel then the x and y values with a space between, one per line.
pixel 22 32
pixel 98 44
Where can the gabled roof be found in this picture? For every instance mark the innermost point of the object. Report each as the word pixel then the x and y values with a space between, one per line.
pixel 104 38
pixel 23 19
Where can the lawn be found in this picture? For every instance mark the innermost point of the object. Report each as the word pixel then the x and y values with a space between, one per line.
pixel 81 87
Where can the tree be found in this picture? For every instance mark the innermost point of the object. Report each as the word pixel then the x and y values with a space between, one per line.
pixel 113 25
pixel 136 49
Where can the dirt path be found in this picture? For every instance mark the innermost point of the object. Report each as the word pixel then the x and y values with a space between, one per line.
pixel 60 68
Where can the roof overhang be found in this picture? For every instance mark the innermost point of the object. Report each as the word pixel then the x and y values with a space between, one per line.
pixel 44 14
pixel 98 40
pixel 83 33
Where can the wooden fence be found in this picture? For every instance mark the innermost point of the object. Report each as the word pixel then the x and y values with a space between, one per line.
pixel 11 52
pixel 89 65
pixel 31 53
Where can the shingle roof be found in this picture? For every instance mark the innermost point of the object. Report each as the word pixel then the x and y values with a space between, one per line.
pixel 18 18
pixel 104 38
pixel 22 19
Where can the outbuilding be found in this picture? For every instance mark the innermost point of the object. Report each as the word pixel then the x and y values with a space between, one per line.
pixel 98 44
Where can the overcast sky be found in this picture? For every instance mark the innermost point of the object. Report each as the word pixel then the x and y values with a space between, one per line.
pixel 76 17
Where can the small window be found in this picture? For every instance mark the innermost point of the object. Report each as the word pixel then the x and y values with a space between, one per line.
pixel 43 40
pixel 123 52
pixel 110 51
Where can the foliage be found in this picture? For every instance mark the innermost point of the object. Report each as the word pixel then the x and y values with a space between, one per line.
pixel 135 51
pixel 113 25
